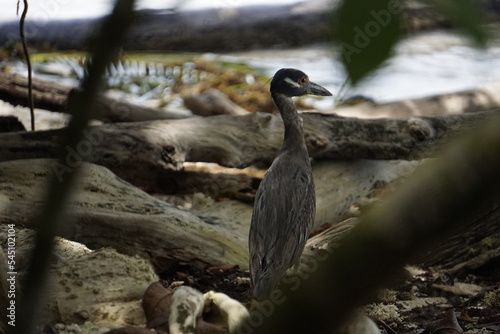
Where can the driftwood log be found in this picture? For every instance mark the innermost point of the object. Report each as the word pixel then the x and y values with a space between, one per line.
pixel 148 152
pixel 135 151
pixel 46 95
pixel 55 97
pixel 220 28
pixel 151 154
pixel 481 98
pixel 105 211
pixel 212 102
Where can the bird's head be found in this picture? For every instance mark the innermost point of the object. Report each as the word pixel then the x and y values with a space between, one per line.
pixel 292 82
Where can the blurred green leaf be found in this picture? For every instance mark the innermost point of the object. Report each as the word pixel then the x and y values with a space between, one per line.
pixel 366 31
pixel 466 15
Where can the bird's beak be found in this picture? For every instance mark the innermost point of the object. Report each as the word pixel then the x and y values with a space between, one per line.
pixel 315 89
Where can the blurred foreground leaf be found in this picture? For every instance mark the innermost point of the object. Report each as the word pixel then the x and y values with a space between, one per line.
pixel 465 15
pixel 367 32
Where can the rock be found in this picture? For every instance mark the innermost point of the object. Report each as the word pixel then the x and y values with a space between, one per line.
pixel 103 287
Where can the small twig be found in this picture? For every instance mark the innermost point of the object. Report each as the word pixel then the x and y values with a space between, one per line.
pixel 28 62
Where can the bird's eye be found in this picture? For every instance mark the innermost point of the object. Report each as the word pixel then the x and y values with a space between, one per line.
pixel 302 80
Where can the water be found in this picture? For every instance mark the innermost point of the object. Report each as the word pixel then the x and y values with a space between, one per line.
pixel 423 64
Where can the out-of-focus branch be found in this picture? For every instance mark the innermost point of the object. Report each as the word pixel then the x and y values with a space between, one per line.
pixel 103 49
pixel 440 197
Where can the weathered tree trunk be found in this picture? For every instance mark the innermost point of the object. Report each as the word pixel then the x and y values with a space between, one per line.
pixel 107 212
pixel 224 29
pixel 481 98
pixel 239 141
pixel 212 102
pixel 215 185
pixel 46 95
pixel 55 97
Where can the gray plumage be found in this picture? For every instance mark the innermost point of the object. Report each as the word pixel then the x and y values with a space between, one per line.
pixel 285 202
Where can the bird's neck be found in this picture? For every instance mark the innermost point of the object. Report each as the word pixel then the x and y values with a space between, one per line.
pixel 294 135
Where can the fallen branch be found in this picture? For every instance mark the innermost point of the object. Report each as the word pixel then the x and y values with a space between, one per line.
pixel 482 98
pixel 240 141
pixel 55 97
pixel 107 212
pixel 212 102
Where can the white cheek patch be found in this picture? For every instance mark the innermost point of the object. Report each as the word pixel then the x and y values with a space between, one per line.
pixel 291 82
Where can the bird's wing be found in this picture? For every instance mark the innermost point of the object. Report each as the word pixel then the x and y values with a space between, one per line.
pixel 282 219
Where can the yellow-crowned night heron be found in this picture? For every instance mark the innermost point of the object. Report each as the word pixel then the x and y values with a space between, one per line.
pixel 285 203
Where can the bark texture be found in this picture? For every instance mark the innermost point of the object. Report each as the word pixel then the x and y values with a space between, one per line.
pixel 240 141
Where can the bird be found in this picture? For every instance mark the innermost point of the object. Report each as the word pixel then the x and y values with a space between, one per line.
pixel 285 202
